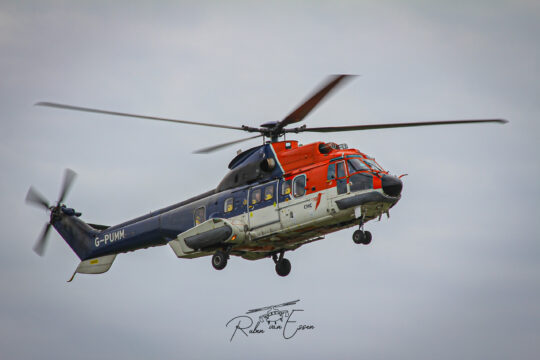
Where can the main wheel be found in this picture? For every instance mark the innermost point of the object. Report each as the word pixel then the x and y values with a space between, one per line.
pixel 219 260
pixel 358 237
pixel 283 267
pixel 367 238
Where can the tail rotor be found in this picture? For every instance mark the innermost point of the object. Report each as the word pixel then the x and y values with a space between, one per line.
pixel 33 197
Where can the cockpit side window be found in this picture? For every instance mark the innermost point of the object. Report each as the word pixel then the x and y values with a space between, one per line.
pixel 356 165
pixel 331 172
pixel 299 186
pixel 199 215
pixel 341 169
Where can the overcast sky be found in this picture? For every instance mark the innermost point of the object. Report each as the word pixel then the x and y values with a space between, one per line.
pixel 453 274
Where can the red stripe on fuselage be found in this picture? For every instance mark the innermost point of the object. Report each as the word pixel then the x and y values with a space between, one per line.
pixel 318 201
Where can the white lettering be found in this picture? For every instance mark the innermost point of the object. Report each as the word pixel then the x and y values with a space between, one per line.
pixel 110 238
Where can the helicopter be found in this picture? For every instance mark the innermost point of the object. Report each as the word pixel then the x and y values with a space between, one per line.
pixel 276 197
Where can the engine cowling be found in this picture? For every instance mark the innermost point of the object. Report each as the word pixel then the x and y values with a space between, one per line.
pixel 246 168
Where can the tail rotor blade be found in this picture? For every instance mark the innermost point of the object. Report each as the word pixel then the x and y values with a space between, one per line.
pixel 69 176
pixel 39 248
pixel 33 197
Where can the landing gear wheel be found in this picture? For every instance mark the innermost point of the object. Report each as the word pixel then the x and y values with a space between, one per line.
pixel 367 237
pixel 283 267
pixel 219 260
pixel 359 237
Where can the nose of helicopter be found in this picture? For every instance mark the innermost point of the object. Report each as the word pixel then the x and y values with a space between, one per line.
pixel 391 185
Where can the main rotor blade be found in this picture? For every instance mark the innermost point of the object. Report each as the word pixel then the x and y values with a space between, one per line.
pixel 98 111
pixel 396 125
pixel 305 108
pixel 69 176
pixel 33 197
pixel 39 248
pixel 221 146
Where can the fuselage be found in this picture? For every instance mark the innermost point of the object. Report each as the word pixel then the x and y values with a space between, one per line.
pixel 300 194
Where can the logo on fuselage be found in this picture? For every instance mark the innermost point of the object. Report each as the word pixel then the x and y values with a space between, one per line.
pixel 110 238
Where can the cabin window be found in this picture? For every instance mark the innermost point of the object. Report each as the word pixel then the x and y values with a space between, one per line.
pixel 331 172
pixel 255 196
pixel 199 215
pixel 269 192
pixel 286 187
pixel 341 169
pixel 229 205
pixel 356 165
pixel 299 186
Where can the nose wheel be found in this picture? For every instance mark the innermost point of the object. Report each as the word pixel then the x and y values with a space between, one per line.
pixel 361 237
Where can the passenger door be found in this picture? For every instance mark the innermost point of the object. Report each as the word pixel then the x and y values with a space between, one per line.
pixel 299 208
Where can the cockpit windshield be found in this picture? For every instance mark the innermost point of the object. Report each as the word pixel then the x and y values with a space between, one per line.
pixel 358 163
pixel 373 165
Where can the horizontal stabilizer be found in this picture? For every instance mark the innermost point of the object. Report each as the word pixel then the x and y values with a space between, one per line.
pixel 94 266
pixel 99 227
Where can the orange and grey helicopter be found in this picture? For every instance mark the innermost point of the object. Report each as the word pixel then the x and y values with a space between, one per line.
pixel 276 197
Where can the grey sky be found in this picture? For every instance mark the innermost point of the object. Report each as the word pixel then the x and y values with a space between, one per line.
pixel 454 273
